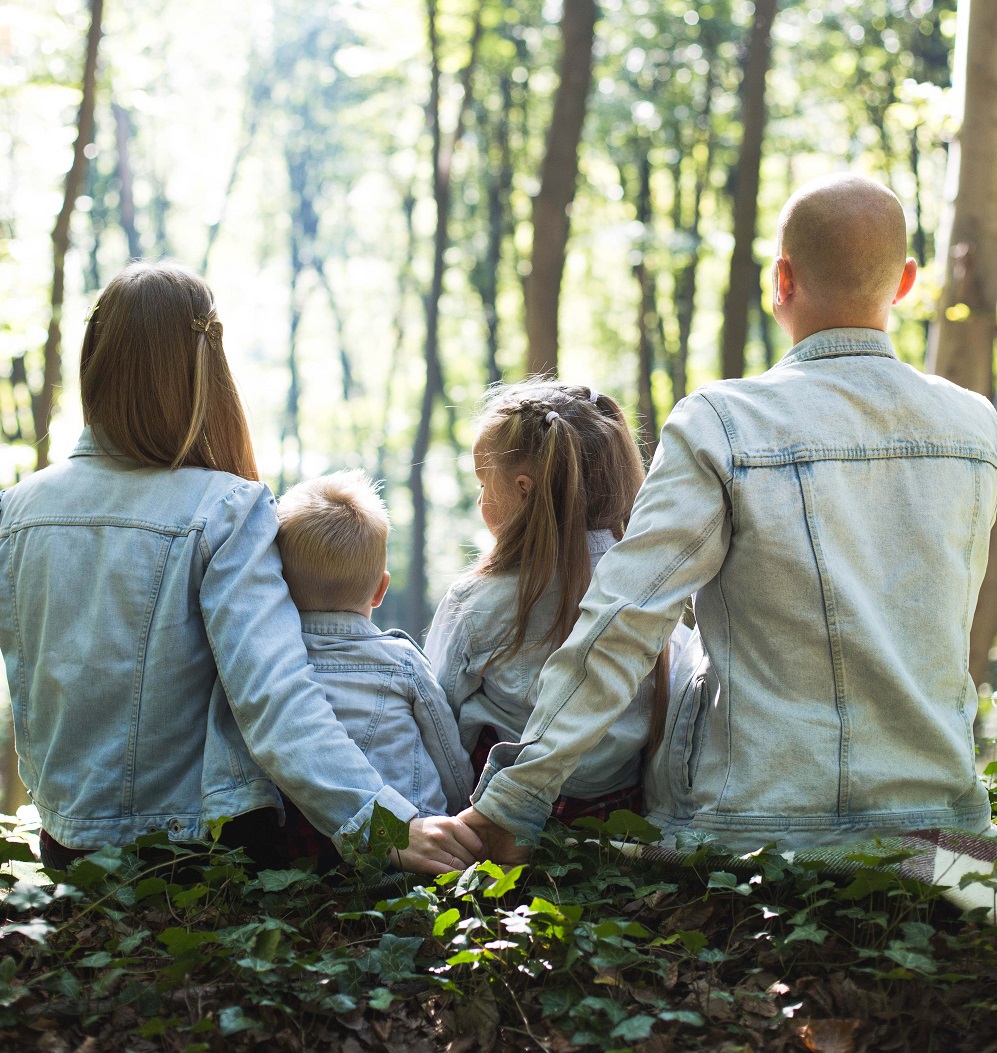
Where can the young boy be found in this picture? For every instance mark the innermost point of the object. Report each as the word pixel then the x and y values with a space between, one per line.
pixel 333 542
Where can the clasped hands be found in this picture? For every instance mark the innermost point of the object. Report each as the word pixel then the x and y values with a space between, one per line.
pixel 439 844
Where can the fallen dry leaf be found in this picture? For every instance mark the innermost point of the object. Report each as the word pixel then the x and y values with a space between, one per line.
pixel 829 1036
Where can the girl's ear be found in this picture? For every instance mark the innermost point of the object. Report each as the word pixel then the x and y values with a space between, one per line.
pixel 524 484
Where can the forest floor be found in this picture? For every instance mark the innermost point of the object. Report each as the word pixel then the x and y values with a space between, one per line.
pixel 585 949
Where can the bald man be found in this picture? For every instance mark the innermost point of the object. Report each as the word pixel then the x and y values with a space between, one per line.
pixel 831 518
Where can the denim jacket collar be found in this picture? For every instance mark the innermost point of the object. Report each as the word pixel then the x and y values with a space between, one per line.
pixel 834 343
pixel 87 445
pixel 337 623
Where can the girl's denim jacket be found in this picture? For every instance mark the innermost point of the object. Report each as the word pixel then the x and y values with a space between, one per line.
pixel 472 622
pixel 155 660
pixel 834 515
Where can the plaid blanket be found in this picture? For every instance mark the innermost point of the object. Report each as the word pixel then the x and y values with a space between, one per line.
pixel 961 864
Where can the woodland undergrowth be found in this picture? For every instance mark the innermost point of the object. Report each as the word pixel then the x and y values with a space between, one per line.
pixel 153 948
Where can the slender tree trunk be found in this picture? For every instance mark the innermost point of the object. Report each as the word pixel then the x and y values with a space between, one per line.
pixel 126 199
pixel 961 339
pixel 551 207
pixel 742 271
pixel 44 402
pixel 442 156
pixel 647 309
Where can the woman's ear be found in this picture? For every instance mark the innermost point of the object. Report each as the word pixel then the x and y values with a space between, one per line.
pixel 524 484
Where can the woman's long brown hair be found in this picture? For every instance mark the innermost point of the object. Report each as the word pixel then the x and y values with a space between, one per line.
pixel 154 381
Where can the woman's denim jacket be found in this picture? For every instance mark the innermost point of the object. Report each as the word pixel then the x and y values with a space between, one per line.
pixel 388 700
pixel 155 660
pixel 834 515
pixel 472 621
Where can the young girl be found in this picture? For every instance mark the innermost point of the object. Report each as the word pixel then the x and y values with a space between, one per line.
pixel 559 471
pixel 154 656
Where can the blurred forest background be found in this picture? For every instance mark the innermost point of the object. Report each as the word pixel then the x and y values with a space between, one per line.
pixel 398 202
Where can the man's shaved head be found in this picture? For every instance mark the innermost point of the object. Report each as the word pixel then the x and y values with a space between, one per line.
pixel 845 239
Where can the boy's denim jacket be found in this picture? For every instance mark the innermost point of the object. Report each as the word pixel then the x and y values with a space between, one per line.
pixel 472 621
pixel 155 661
pixel 834 515
pixel 387 698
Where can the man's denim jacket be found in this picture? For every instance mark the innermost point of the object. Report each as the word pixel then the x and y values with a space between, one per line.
pixel 387 698
pixel 155 660
pixel 472 621
pixel 834 515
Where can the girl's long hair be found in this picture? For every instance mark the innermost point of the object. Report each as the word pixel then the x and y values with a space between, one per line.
pixel 154 381
pixel 586 471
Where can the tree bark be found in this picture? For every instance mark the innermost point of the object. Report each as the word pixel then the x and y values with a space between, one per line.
pixel 961 338
pixel 648 322
pixel 44 402
pixel 742 271
pixel 442 156
pixel 552 205
pixel 126 198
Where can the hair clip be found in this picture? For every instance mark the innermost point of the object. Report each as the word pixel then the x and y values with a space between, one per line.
pixel 212 329
pixel 92 311
pixel 552 416
pixel 593 396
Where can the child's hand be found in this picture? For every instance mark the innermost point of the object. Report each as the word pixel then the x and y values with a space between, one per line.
pixel 437 845
pixel 499 845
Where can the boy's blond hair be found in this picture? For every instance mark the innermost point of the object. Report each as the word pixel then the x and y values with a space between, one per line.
pixel 333 541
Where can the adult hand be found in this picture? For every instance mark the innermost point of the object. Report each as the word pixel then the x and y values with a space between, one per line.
pixel 499 845
pixel 437 845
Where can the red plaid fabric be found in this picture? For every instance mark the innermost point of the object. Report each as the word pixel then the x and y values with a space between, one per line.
pixel 567 809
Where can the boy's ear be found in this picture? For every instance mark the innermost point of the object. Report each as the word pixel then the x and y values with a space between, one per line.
pixel 906 279
pixel 378 596
pixel 524 484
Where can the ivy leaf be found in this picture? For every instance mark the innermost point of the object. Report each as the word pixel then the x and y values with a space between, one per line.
pixel 809 933
pixel 27 896
pixel 232 1020
pixel 95 961
pixel 635 1029
pixel 385 831
pixel 506 883
pixel 393 958
pixel 446 921
pixel 909 959
pixel 36 929
pixel 381 999
pixel 150 886
pixel 279 880
pixel 180 941
pixel 15 852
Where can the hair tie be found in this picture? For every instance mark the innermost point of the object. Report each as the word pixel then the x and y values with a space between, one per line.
pixel 593 396
pixel 552 416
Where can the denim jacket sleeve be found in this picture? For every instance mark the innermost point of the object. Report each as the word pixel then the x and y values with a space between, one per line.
pixel 448 647
pixel 676 542
pixel 255 634
pixel 438 729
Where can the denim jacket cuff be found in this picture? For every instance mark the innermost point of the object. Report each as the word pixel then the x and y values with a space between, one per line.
pixel 500 799
pixel 386 797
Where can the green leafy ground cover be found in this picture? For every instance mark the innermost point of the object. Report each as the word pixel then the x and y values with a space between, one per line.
pixel 584 949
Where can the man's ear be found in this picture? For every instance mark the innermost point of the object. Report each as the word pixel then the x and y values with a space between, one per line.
pixel 378 596
pixel 524 484
pixel 783 283
pixel 906 279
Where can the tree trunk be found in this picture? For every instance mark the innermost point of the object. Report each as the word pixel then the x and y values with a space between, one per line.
pixel 44 402
pixel 551 207
pixel 442 155
pixel 648 323
pixel 742 270
pixel 126 199
pixel 961 339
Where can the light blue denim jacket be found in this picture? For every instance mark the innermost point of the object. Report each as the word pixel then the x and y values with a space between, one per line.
pixel 155 660
pixel 834 515
pixel 387 698
pixel 472 621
